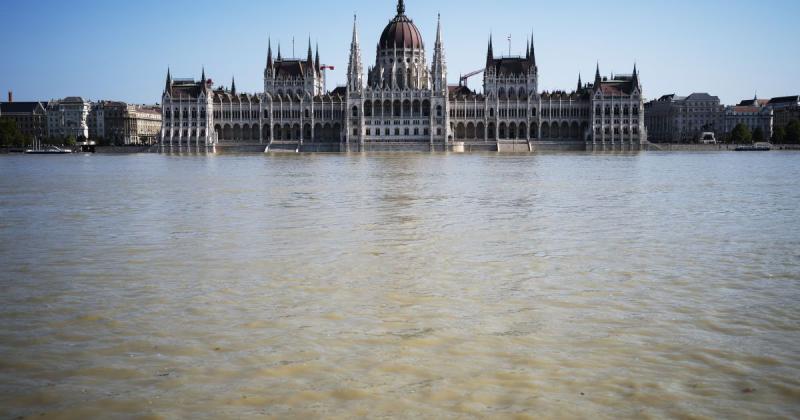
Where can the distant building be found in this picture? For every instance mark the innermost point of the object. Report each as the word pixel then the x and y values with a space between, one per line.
pixel 785 109
pixel 676 119
pixel 30 117
pixel 107 122
pixel 68 117
pixel 142 124
pixel 753 116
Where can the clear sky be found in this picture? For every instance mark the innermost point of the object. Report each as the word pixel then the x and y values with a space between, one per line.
pixel 120 50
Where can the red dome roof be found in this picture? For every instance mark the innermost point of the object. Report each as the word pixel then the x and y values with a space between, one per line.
pixel 401 33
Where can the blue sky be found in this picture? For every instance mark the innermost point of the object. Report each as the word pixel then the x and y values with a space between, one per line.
pixel 115 49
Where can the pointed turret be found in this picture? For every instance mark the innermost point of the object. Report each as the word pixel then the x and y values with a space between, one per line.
pixel 527 50
pixel 532 57
pixel 317 64
pixel 635 76
pixel 203 79
pixel 310 56
pixel 597 79
pixel 279 52
pixel 580 83
pixel 233 85
pixel 269 55
pixel 401 8
pixel 439 64
pixel 489 54
pixel 168 87
pixel 354 68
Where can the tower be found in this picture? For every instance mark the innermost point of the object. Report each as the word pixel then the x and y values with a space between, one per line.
pixel 354 68
pixel 439 64
pixel 490 72
pixel 168 87
pixel 597 79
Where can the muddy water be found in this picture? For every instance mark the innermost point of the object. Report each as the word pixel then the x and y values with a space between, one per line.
pixel 652 285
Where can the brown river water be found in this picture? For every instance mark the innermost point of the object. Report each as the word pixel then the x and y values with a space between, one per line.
pixel 415 286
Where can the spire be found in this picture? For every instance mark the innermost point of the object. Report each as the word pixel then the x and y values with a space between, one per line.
pixel 355 31
pixel 532 58
pixel 580 83
pixel 316 60
pixel 269 55
pixel 489 53
pixel 597 79
pixel 401 8
pixel 233 85
pixel 279 51
pixel 635 76
pixel 169 81
pixel 203 80
pixel 438 29
pixel 354 68
pixel 439 65
pixel 310 57
pixel 527 50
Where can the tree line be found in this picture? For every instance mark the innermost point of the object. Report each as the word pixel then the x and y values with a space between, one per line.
pixel 12 137
pixel 790 134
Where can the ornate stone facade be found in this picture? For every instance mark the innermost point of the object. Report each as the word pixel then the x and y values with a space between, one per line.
pixel 405 104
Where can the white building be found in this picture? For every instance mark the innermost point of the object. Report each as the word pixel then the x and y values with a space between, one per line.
pixel 674 118
pixel 404 104
pixel 68 117
pixel 752 116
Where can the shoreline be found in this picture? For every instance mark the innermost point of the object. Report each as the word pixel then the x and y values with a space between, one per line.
pixel 258 149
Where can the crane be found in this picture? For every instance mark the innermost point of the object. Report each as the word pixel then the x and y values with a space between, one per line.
pixel 465 78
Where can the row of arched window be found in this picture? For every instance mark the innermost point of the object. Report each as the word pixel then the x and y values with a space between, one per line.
pixel 513 131
pixel 168 113
pixel 246 133
pixel 187 133
pixel 396 108
pixel 624 110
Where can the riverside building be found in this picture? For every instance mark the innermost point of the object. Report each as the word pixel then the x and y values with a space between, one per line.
pixel 403 103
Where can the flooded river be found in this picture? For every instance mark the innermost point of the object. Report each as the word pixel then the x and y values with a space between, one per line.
pixel 418 286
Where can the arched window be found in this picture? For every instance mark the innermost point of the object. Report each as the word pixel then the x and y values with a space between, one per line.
pixel 202 112
pixel 491 112
pixel 355 111
pixel 438 110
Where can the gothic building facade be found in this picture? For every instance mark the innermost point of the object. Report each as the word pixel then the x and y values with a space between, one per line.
pixel 403 103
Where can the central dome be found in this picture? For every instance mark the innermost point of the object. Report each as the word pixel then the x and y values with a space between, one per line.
pixel 401 32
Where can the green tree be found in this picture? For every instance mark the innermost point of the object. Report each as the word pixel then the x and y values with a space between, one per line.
pixel 758 135
pixel 10 136
pixel 779 135
pixel 793 132
pixel 741 134
pixel 70 141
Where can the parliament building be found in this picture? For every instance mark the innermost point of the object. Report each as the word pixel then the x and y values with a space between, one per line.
pixel 403 103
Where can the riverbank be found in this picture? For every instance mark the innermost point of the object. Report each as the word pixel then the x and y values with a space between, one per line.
pixel 550 147
pixel 675 147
